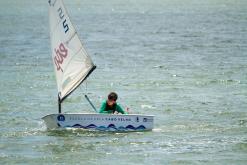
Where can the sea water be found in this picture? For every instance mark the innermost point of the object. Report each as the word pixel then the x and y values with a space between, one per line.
pixel 183 61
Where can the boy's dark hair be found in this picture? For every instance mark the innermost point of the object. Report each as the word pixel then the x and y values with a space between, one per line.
pixel 112 96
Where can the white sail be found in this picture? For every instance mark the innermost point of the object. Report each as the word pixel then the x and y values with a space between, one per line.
pixel 71 62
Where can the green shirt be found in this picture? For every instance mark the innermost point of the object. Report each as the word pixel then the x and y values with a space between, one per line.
pixel 109 110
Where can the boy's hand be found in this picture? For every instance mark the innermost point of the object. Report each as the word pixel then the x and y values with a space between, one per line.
pixel 127 110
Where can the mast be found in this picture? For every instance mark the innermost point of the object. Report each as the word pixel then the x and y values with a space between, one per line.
pixel 59 105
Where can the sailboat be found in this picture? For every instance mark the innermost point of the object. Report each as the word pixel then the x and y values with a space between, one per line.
pixel 72 66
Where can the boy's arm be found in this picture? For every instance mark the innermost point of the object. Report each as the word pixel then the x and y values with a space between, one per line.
pixel 120 109
pixel 102 108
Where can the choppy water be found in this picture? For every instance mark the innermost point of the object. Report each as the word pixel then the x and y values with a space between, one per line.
pixel 183 61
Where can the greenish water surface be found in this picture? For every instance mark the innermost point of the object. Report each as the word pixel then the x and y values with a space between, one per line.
pixel 183 61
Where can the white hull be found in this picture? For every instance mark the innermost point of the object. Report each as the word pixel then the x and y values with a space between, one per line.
pixel 102 122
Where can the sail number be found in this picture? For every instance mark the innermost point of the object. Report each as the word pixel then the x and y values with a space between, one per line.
pixel 61 16
pixel 61 54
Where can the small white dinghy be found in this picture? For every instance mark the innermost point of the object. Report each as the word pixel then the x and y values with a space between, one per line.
pixel 72 66
pixel 102 122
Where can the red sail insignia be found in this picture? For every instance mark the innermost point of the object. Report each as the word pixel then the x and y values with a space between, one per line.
pixel 61 54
